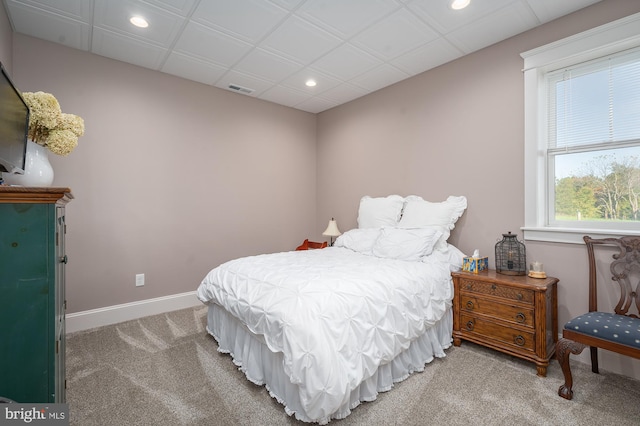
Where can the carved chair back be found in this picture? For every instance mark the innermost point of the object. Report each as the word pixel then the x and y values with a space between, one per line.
pixel 624 269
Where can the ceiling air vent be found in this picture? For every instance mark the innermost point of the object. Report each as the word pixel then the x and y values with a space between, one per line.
pixel 241 89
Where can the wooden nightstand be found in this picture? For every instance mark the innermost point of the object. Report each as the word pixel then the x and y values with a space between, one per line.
pixel 517 315
pixel 310 245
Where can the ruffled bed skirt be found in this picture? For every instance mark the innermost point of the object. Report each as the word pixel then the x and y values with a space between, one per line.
pixel 264 367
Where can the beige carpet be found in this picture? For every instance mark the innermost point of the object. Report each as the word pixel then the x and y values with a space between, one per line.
pixel 165 370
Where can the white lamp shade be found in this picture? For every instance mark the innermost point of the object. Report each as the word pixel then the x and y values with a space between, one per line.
pixel 332 229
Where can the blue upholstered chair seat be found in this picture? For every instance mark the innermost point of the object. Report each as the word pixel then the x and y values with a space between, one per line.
pixel 615 328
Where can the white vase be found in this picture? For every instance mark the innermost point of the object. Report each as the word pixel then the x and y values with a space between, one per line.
pixel 38 170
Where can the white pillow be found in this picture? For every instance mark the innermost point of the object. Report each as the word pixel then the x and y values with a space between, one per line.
pixel 360 240
pixel 380 211
pixel 419 213
pixel 406 244
pixel 450 254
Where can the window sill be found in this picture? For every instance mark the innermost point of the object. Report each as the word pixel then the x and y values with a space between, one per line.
pixel 570 235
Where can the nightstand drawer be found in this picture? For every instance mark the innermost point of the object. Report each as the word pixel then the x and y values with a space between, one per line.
pixel 504 334
pixel 498 290
pixel 511 313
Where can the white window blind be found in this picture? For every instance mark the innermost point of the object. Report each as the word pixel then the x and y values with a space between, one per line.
pixel 595 105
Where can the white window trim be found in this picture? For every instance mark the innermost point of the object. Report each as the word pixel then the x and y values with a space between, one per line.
pixel 600 41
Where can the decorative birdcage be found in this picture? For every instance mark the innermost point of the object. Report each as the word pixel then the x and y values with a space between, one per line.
pixel 511 256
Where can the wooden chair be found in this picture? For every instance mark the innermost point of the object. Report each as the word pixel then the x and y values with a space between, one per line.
pixel 617 331
pixel 306 245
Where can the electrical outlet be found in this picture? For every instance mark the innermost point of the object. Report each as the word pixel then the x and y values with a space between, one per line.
pixel 139 280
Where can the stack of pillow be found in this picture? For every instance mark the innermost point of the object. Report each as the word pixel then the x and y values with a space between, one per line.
pixel 405 228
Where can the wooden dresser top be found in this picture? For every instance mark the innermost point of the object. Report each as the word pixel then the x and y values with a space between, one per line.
pixel 23 194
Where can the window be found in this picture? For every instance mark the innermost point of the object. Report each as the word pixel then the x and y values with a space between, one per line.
pixel 582 135
pixel 593 143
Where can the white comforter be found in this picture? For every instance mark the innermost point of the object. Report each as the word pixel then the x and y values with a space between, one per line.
pixel 335 314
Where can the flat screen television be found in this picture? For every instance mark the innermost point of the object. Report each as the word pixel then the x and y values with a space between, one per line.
pixel 14 126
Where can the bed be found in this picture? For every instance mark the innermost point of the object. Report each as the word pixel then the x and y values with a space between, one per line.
pixel 325 330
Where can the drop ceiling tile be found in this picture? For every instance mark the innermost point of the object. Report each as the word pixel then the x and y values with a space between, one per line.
pixel 493 28
pixel 211 45
pixel 548 10
pixel 346 18
pixel 315 105
pixel 49 26
pixel 284 96
pixel 239 79
pixel 298 80
pixel 396 35
pixel 287 4
pixel 193 69
pixel 80 10
pixel 343 93
pixel 117 46
pixel 383 76
pixel 113 15
pixel 249 20
pixel 300 41
pixel 267 65
pixel 346 62
pixel 179 7
pixel 444 19
pixel 427 56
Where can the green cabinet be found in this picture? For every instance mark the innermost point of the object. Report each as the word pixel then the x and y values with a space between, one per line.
pixel 32 298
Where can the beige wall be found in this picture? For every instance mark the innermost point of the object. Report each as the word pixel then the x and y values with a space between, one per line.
pixel 171 177
pixel 457 130
pixel 6 38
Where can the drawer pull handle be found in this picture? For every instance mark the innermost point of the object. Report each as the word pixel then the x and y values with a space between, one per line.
pixel 468 286
pixel 520 317
pixel 519 296
pixel 469 304
pixel 493 286
pixel 519 340
pixel 470 325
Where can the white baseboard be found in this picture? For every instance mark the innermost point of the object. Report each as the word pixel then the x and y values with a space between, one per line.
pixel 85 320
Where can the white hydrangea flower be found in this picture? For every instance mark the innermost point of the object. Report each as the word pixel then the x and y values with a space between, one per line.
pixel 49 126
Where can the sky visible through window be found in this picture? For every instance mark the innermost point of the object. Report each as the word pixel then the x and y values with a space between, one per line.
pixel 579 164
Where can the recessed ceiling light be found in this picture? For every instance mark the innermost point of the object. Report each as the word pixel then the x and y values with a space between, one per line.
pixel 139 21
pixel 459 4
pixel 311 83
